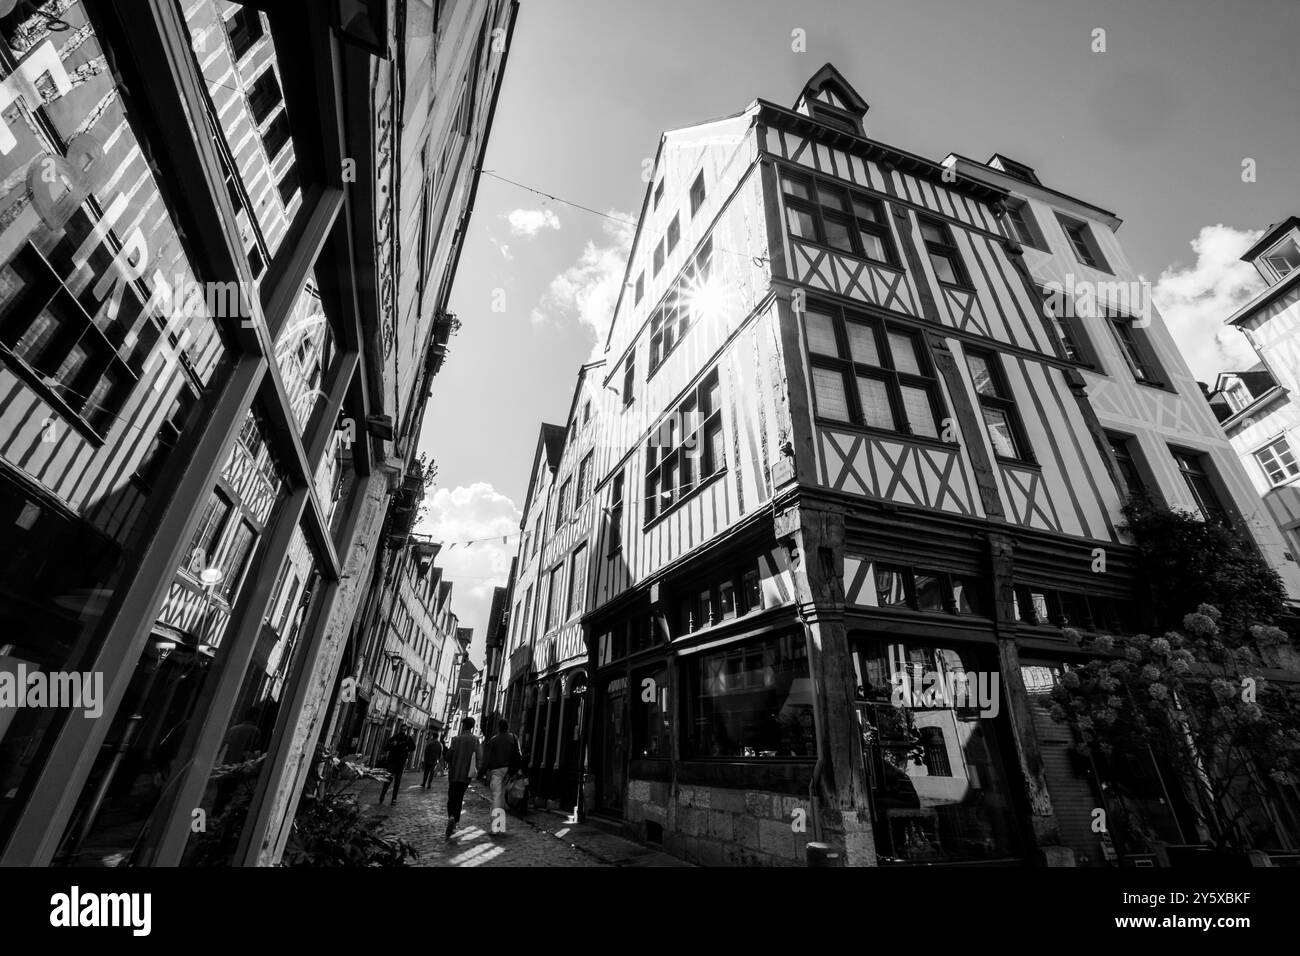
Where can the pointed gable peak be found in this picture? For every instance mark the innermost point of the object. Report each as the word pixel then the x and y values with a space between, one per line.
pixel 829 97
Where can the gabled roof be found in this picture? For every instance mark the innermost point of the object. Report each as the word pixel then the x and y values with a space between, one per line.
pixel 1271 235
pixel 550 442
pixel 853 101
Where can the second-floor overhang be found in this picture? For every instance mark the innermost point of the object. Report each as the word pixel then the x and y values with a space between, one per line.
pixel 927 169
pixel 1264 299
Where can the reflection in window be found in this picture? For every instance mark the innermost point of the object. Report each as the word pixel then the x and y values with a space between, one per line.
pixel 934 767
pixel 752 700
pixel 651 714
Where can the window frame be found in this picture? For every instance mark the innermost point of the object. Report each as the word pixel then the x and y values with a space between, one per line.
pixel 672 317
pixel 845 213
pixel 1023 225
pixel 683 449
pixel 895 380
pixel 577 583
pixel 616 506
pixel 698 193
pixel 944 248
pixel 1078 232
pixel 1192 465
pixel 1002 400
pixel 1268 448
pixel 1134 348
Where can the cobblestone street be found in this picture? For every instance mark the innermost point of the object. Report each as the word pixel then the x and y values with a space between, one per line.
pixel 420 818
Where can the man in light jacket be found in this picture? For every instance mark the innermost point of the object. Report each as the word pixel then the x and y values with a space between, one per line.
pixel 501 757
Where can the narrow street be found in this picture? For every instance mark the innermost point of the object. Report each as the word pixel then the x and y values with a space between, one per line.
pixel 420 817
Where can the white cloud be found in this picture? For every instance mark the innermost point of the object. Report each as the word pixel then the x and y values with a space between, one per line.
pixel 505 250
pixel 1195 301
pixel 529 222
pixel 588 289
pixel 471 513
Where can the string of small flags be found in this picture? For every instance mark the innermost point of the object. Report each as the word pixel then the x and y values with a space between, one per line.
pixel 503 538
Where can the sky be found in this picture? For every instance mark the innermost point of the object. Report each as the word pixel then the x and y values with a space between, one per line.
pixel 1154 128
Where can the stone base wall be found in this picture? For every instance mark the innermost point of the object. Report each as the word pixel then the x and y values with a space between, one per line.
pixel 716 826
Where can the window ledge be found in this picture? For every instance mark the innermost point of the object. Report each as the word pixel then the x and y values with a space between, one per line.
pixel 1018 462
pixel 885 433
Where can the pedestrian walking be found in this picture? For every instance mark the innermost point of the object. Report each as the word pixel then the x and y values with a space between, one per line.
pixel 442 757
pixel 464 753
pixel 432 757
pixel 400 746
pixel 501 759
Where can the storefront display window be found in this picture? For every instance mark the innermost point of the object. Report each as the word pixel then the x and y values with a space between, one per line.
pixel 752 700
pixel 939 788
pixel 651 713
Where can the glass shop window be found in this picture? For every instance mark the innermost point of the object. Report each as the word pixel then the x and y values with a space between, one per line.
pixel 926 714
pixel 752 700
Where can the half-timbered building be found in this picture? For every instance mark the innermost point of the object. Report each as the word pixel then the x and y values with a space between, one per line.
pixel 852 487
pixel 227 235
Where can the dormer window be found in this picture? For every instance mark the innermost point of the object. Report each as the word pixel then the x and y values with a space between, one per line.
pixel 1238 397
pixel 1283 259
pixel 834 119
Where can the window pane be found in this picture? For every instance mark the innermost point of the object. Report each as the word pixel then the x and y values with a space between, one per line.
pixel 920 414
pixel 838 233
pixel 903 349
pixel 828 388
pixel 821 333
pixel 929 592
pixel 1000 433
pixel 795 187
pixel 866 209
pixel 873 248
pixel 891 587
pixel 874 395
pixel 981 375
pixel 862 344
pixel 801 223
pixel 933 232
pixel 752 701
pixel 943 268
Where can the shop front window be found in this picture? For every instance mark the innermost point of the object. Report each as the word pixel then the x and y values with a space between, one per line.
pixel 752 700
pixel 927 717
pixel 108 357
pixel 651 713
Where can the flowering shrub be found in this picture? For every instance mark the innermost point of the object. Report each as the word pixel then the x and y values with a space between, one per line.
pixel 1196 697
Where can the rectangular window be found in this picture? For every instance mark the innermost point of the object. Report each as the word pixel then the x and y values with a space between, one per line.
pixel 553 597
pixel 652 718
pixel 674 234
pixel 751 700
pixel 687 441
pixel 243 29
pixel 944 257
pixel 199 555
pixel 676 315
pixel 277 135
pixel 561 502
pixel 289 185
pixel 584 481
pixel 1082 242
pixel 838 217
pixel 236 560
pixel 1283 259
pixel 871 373
pixel 629 378
pixel 1121 448
pixel 1001 419
pixel 578 581
pixel 659 193
pixel 640 289
pixel 264 95
pixel 1135 348
pixel 1021 225
pixel 1278 462
pixel 616 515
pixel 1072 336
pixel 658 258
pixel 697 193
pixel 1194 472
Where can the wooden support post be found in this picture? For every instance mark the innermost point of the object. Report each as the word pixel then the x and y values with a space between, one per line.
pixel 814 538
pixel 1029 755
